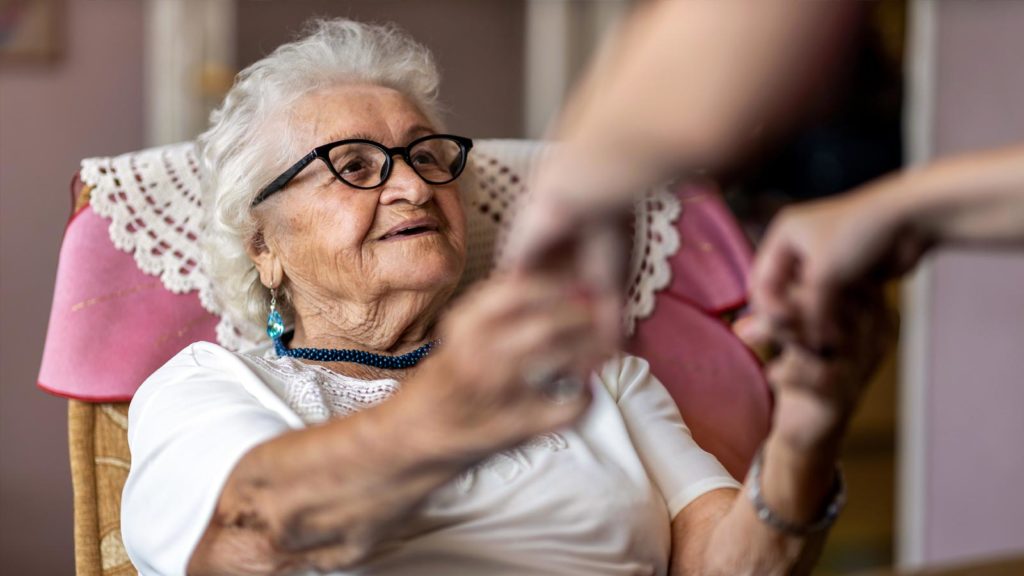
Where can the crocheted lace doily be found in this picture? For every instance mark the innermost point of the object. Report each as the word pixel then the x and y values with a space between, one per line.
pixel 153 201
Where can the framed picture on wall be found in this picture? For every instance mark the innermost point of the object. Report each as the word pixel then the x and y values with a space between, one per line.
pixel 31 31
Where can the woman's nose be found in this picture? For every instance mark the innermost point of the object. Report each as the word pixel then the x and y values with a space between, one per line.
pixel 405 184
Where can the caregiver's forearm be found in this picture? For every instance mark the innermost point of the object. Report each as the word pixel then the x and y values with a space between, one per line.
pixel 691 83
pixel 326 496
pixel 975 198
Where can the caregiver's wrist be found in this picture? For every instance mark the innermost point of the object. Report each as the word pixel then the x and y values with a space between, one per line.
pixel 908 205
pixel 583 178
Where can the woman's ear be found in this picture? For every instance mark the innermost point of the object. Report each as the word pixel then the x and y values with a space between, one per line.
pixel 266 261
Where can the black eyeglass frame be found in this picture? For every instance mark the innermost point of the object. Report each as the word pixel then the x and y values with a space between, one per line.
pixel 323 153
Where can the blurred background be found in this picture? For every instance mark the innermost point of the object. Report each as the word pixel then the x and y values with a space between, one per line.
pixel 934 460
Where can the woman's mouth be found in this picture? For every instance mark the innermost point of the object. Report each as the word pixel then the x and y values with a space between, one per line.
pixel 412 229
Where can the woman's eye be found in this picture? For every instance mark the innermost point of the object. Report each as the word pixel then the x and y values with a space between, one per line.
pixel 424 159
pixel 353 167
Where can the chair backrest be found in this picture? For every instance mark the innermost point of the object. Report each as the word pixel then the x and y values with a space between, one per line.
pixel 130 293
pixel 716 381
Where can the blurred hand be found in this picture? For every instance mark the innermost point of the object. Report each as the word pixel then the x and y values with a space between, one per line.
pixel 499 339
pixel 815 253
pixel 816 392
pixel 573 227
pixel 580 247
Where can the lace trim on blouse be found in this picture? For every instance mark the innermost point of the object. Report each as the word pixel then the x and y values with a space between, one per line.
pixel 317 394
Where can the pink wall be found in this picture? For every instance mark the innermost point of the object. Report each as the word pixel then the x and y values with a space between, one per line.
pixel 975 381
pixel 88 103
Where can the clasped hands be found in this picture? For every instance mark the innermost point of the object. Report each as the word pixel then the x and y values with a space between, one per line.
pixel 820 336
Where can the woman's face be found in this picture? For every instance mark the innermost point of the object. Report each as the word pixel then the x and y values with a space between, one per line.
pixel 332 241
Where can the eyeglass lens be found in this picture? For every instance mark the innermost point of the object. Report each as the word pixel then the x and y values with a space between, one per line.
pixel 436 160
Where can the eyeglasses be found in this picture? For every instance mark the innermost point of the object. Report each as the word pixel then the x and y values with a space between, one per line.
pixel 365 164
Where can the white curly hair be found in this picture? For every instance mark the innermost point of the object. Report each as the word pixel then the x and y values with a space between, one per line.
pixel 239 157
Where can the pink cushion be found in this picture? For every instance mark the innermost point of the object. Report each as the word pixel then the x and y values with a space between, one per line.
pixel 715 380
pixel 111 325
pixel 710 268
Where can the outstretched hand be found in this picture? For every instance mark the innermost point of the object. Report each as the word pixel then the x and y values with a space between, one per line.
pixel 816 253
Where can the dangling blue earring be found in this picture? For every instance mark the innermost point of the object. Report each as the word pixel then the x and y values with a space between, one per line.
pixel 275 324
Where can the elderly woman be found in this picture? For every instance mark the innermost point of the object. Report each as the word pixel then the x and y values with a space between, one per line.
pixel 335 203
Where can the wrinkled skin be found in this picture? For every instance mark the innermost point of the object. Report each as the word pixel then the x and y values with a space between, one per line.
pixel 349 287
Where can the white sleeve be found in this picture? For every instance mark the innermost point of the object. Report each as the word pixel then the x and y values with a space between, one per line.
pixel 679 467
pixel 188 425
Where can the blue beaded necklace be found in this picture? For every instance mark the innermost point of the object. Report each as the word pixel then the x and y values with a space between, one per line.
pixel 407 360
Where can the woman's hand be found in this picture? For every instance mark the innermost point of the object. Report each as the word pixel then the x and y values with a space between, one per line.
pixel 817 391
pixel 502 340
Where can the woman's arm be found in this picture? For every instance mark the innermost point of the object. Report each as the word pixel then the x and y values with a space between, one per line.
pixel 720 533
pixel 816 394
pixel 323 497
pixel 328 497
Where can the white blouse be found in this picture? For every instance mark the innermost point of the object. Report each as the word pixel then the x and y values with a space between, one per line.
pixel 594 499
